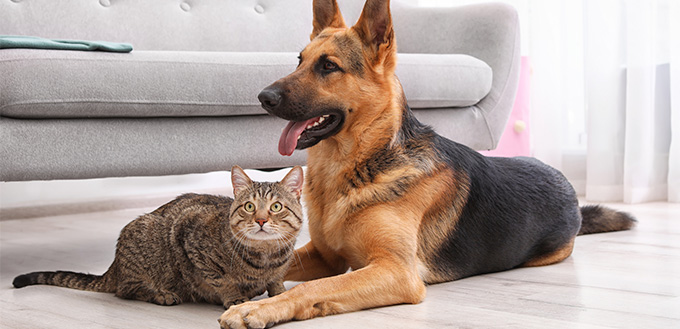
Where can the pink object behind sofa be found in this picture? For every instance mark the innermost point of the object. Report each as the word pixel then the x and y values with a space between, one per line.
pixel 515 140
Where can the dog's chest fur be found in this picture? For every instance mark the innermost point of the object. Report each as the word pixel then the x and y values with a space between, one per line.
pixel 327 205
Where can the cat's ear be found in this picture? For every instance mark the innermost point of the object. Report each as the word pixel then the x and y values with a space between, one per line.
pixel 239 180
pixel 294 181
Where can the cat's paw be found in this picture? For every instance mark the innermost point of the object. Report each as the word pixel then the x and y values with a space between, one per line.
pixel 167 299
pixel 237 301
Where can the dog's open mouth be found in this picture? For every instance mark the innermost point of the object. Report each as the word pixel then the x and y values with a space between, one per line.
pixel 303 134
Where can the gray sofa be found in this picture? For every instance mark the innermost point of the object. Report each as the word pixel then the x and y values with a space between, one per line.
pixel 185 99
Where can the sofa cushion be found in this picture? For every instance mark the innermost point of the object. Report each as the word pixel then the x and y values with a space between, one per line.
pixel 443 80
pixel 73 84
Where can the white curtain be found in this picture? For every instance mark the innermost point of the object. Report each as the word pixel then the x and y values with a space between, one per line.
pixel 617 62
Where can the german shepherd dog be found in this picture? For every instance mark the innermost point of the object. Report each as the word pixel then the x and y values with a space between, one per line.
pixel 390 199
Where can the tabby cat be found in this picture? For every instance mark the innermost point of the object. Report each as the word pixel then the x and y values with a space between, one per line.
pixel 202 248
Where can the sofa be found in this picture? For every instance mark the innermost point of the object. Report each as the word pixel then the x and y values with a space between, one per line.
pixel 184 100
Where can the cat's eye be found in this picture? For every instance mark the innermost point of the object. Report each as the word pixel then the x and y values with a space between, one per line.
pixel 249 207
pixel 276 207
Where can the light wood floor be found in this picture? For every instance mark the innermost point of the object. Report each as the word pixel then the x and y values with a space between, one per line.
pixel 615 280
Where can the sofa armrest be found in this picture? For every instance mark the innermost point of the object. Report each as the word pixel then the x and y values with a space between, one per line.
pixel 489 32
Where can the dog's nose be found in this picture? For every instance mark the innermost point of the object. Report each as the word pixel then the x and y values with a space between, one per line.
pixel 270 98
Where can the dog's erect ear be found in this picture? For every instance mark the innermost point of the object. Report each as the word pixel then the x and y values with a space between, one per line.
pixel 326 14
pixel 375 25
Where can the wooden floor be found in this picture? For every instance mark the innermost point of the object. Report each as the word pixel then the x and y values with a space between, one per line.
pixel 615 280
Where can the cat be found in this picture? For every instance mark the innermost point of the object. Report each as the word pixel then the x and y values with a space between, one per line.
pixel 202 248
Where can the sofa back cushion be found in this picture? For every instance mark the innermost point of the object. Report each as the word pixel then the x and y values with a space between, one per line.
pixel 193 25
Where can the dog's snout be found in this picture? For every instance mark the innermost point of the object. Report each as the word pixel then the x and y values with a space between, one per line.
pixel 270 98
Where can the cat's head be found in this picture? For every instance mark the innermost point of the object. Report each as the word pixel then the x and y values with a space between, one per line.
pixel 264 211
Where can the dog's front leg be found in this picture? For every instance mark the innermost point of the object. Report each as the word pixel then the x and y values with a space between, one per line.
pixel 383 282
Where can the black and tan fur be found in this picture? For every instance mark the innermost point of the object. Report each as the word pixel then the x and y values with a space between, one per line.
pixel 390 199
pixel 201 248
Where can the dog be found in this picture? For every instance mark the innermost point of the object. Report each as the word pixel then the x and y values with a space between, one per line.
pixel 390 199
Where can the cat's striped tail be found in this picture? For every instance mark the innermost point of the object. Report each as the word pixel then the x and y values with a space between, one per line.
pixel 599 219
pixel 81 281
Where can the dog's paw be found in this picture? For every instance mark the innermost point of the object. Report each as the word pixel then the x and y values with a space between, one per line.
pixel 249 315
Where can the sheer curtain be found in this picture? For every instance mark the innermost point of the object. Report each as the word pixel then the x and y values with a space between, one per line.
pixel 631 66
pixel 616 64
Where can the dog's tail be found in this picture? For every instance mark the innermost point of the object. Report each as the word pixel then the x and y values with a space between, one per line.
pixel 81 281
pixel 599 219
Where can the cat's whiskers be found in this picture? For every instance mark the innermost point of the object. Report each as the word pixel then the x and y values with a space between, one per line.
pixel 288 239
pixel 292 236
pixel 240 246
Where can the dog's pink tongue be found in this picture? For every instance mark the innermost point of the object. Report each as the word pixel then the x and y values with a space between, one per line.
pixel 290 134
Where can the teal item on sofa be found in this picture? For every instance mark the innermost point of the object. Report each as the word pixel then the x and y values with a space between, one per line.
pixel 21 41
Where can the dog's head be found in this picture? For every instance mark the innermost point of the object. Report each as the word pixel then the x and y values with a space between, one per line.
pixel 345 77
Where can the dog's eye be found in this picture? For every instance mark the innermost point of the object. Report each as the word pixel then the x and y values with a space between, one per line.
pixel 329 66
pixel 325 66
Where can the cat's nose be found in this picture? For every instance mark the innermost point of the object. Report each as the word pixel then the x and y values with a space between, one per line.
pixel 261 221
